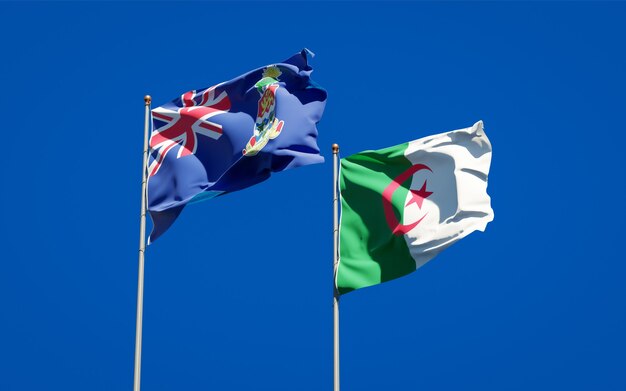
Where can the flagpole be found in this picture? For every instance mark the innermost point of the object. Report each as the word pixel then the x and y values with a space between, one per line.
pixel 142 248
pixel 335 262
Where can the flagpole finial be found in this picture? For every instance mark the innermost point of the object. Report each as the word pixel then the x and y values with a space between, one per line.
pixel 335 148
pixel 147 99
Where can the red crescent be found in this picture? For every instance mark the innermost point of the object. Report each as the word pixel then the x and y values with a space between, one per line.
pixel 397 228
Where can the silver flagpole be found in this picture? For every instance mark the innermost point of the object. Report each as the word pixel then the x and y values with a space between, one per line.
pixel 335 261
pixel 142 248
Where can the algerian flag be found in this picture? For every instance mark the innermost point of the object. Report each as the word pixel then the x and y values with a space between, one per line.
pixel 401 206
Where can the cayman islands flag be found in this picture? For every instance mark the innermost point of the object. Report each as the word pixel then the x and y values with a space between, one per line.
pixel 232 135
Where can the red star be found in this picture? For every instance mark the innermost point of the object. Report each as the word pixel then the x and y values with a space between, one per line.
pixel 419 196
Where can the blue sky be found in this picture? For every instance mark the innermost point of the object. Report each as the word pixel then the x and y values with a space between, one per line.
pixel 238 293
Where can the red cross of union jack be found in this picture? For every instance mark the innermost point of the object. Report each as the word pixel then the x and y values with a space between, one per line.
pixel 183 125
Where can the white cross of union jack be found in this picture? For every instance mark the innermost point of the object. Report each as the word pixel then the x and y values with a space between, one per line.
pixel 184 124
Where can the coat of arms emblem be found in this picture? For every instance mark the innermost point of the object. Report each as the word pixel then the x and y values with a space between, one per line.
pixel 267 126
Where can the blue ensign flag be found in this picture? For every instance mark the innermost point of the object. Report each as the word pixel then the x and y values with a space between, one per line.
pixel 233 135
